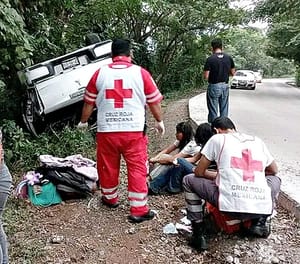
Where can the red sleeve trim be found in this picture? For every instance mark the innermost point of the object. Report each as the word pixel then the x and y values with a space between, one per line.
pixel 151 91
pixel 91 90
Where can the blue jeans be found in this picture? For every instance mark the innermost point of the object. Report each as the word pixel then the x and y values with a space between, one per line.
pixel 217 96
pixel 171 180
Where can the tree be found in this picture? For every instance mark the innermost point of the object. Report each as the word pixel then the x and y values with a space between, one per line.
pixel 171 37
pixel 46 22
pixel 284 31
pixel 164 32
pixel 248 47
pixel 16 49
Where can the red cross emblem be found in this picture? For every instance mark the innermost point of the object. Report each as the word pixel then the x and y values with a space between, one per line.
pixel 118 93
pixel 247 164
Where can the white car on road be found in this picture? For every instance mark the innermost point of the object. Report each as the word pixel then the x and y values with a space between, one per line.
pixel 258 76
pixel 243 79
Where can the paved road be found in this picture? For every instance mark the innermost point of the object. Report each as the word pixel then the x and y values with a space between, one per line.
pixel 272 112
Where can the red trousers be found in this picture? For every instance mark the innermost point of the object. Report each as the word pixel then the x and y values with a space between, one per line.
pixel 133 147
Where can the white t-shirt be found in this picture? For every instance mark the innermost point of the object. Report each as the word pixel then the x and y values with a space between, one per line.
pixel 241 161
pixel 176 143
pixel 190 149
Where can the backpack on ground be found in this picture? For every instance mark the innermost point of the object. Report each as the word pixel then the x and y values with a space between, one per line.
pixel 226 223
pixel 69 183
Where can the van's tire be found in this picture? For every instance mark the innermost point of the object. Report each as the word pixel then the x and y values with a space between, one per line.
pixel 91 38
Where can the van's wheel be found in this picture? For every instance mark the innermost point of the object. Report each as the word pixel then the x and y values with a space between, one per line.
pixel 34 123
pixel 91 38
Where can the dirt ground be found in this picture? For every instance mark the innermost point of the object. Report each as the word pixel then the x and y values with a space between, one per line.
pixel 83 231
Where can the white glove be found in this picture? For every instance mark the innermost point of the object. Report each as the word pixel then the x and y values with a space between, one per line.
pixel 82 125
pixel 160 127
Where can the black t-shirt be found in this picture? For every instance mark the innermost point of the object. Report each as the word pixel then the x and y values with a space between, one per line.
pixel 219 66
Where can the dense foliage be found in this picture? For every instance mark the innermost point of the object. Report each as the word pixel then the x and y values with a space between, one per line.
pixel 284 32
pixel 248 47
pixel 22 151
pixel 171 37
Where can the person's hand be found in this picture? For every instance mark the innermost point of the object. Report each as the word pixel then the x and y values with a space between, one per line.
pixel 82 125
pixel 153 160
pixel 160 127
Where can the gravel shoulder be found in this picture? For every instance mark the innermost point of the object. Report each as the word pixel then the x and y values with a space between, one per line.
pixel 83 231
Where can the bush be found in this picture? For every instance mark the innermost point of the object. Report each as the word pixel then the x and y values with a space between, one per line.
pixel 22 151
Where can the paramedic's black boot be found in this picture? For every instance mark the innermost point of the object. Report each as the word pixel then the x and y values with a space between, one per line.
pixel 138 219
pixel 198 240
pixel 109 205
pixel 261 227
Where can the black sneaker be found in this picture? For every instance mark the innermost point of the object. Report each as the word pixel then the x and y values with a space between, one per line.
pixel 261 227
pixel 150 192
pixel 106 203
pixel 138 219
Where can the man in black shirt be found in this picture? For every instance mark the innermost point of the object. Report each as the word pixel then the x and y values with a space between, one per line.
pixel 217 69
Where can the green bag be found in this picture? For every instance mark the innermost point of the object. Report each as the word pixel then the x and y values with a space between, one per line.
pixel 44 195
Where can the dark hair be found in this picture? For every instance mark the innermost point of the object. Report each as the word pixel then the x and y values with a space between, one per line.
pixel 223 122
pixel 216 43
pixel 120 47
pixel 187 131
pixel 203 133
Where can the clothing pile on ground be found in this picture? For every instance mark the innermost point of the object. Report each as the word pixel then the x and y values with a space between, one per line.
pixel 73 177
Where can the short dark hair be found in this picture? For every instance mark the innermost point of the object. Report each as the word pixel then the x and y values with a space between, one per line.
pixel 223 122
pixel 203 133
pixel 120 47
pixel 216 43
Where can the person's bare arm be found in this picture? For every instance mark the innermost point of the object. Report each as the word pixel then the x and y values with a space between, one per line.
pixel 272 169
pixel 232 71
pixel 192 159
pixel 205 75
pixel 195 158
pixel 156 111
pixel 87 110
pixel 167 150
pixel 202 169
pixel 169 160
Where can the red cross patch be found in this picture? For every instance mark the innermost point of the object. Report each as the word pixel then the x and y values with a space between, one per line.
pixel 118 93
pixel 247 164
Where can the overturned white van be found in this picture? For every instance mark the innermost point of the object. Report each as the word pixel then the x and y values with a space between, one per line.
pixel 55 88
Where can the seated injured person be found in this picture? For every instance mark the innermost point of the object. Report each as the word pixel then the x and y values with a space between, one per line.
pixel 168 178
pixel 184 145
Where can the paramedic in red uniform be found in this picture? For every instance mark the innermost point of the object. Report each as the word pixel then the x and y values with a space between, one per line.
pixel 121 91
